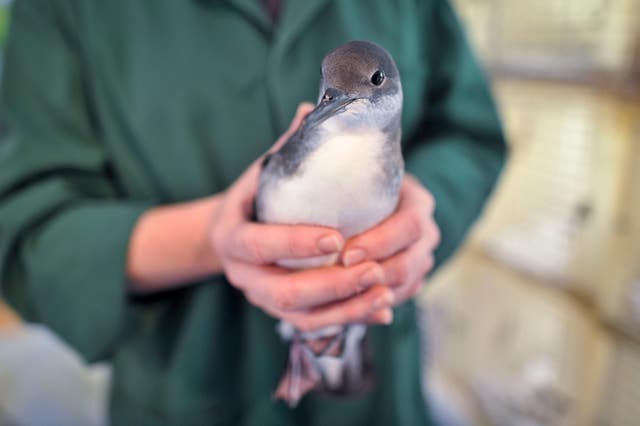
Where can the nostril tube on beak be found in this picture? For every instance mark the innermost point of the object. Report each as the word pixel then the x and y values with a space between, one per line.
pixel 330 94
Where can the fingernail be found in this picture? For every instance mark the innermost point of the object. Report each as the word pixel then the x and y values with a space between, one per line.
pixel 373 276
pixel 383 301
pixel 353 257
pixel 330 244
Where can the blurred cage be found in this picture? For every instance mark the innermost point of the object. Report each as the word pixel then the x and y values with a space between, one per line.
pixel 537 320
pixel 517 352
pixel 565 194
pixel 570 39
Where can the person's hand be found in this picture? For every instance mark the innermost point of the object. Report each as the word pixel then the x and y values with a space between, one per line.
pixel 309 299
pixel 403 243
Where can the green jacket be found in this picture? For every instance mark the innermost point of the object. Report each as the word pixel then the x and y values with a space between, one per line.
pixel 115 106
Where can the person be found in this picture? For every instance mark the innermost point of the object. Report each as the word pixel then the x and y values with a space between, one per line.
pixel 127 181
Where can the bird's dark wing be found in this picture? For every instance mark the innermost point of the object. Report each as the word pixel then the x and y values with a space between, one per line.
pixel 290 155
pixel 288 158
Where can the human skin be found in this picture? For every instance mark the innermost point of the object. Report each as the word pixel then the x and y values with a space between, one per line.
pixel 383 267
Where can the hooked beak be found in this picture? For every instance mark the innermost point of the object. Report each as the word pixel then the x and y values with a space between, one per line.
pixel 331 102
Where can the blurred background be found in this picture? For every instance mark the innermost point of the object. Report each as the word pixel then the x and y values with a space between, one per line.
pixel 536 321
pixel 36 368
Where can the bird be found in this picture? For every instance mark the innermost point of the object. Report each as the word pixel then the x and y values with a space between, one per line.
pixel 342 168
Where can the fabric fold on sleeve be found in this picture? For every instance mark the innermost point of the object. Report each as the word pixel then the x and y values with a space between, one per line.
pixel 65 221
pixel 70 271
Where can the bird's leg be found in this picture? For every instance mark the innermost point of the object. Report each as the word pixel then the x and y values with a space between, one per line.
pixel 327 345
pixel 302 374
pixel 329 362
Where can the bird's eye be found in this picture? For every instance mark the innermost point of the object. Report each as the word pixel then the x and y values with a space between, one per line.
pixel 377 78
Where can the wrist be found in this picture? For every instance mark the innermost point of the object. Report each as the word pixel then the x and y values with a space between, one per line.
pixel 170 246
pixel 203 253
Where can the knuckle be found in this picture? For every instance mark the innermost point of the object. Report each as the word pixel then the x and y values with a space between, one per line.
pixel 426 262
pixel 409 264
pixel 253 248
pixel 285 299
pixel 429 200
pixel 416 223
pixel 251 298
pixel 437 235
pixel 415 289
pixel 403 271
pixel 234 276
pixel 343 286
pixel 294 246
pixel 429 263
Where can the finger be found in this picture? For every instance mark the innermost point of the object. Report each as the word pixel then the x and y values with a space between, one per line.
pixel 394 234
pixel 265 244
pixel 383 316
pixel 411 221
pixel 353 310
pixel 409 265
pixel 238 198
pixel 290 291
pixel 407 291
pixel 243 190
pixel 433 235
pixel 301 113
pixel 414 193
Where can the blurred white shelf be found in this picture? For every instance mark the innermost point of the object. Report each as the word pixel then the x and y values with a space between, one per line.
pixel 554 38
pixel 619 404
pixel 524 353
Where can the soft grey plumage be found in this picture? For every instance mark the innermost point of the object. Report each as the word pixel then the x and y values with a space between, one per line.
pixel 343 169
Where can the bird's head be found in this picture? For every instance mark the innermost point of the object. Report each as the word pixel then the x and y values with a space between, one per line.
pixel 360 77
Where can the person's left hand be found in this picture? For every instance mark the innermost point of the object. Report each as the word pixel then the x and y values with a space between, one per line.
pixel 403 243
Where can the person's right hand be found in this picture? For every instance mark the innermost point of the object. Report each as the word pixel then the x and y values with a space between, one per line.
pixel 309 299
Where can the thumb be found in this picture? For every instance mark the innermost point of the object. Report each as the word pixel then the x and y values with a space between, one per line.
pixel 301 113
pixel 303 110
pixel 246 185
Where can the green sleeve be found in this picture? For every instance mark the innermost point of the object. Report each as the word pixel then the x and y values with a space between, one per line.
pixel 459 149
pixel 64 223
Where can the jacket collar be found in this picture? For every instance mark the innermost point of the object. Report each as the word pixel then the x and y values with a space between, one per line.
pixel 254 11
pixel 294 16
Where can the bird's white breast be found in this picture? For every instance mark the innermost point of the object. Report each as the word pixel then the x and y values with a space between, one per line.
pixel 339 185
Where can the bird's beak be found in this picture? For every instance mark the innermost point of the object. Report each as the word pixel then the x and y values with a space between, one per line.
pixel 331 102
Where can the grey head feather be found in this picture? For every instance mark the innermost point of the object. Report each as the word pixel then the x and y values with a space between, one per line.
pixel 347 76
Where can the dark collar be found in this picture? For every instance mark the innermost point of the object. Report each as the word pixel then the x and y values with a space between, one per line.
pixel 295 16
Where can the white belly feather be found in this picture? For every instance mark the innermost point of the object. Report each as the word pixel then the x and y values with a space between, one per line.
pixel 338 186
